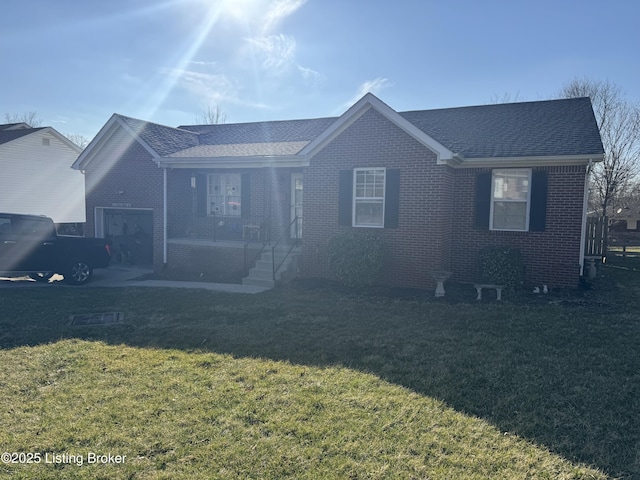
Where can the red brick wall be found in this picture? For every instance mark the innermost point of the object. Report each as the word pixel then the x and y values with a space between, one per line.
pixel 436 220
pixel 552 257
pixel 217 263
pixel 421 241
pixel 125 166
pixel 181 207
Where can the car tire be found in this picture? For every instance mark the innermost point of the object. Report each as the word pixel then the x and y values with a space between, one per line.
pixel 42 277
pixel 79 273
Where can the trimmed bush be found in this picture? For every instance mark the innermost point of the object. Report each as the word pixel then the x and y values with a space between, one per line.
pixel 502 266
pixel 356 258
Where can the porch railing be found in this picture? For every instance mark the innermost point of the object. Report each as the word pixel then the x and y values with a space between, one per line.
pixel 218 228
pixel 262 239
pixel 282 248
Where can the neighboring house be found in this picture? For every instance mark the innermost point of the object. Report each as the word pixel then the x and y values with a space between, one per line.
pixel 437 185
pixel 36 175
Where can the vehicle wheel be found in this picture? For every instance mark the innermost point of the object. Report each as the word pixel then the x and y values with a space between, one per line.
pixel 41 276
pixel 79 273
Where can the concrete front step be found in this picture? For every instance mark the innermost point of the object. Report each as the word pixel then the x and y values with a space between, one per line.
pixel 262 274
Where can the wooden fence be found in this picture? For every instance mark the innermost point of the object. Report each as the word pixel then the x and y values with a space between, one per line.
pixel 596 237
pixel 624 243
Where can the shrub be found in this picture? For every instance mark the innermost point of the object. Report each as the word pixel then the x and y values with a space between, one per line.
pixel 356 258
pixel 502 266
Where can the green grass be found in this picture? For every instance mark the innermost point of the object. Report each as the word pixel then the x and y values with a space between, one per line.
pixel 317 382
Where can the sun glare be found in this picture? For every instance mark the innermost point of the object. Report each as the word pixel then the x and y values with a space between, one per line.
pixel 239 9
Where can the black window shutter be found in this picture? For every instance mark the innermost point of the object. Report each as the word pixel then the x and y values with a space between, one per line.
pixel 392 198
pixel 245 195
pixel 345 198
pixel 483 200
pixel 201 195
pixel 538 210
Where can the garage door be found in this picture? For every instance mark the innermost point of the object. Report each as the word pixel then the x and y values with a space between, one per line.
pixel 130 232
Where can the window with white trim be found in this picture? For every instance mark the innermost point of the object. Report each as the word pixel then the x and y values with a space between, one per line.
pixel 368 197
pixel 224 194
pixel 510 198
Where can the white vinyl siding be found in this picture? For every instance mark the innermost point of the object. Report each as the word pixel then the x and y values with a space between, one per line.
pixel 38 179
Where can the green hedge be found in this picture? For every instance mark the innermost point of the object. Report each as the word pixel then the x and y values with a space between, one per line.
pixel 356 258
pixel 502 266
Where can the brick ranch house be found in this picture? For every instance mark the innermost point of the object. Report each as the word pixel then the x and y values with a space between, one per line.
pixel 437 185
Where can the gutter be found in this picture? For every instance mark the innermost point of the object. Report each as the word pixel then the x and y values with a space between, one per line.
pixel 164 217
pixel 585 204
pixel 295 160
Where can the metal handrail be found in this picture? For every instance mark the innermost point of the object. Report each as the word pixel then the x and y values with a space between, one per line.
pixel 277 264
pixel 264 234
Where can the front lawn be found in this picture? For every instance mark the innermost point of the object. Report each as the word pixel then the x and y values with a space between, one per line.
pixel 308 382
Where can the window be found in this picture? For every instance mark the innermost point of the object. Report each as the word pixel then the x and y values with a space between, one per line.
pixel 368 198
pixel 225 196
pixel 383 210
pixel 510 197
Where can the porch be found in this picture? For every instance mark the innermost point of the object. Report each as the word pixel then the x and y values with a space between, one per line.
pixel 228 248
pixel 233 229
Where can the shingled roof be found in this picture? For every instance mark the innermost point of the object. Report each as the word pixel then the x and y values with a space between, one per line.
pixel 254 139
pixel 8 134
pixel 163 140
pixel 527 129
pixel 552 128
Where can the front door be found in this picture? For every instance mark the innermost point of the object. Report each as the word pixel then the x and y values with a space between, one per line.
pixel 296 205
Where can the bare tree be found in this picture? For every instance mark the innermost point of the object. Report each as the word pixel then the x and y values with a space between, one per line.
pixel 506 97
pixel 619 123
pixel 34 121
pixel 79 140
pixel 212 116
pixel 30 118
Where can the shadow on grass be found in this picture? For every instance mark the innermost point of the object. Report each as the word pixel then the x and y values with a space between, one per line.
pixel 561 370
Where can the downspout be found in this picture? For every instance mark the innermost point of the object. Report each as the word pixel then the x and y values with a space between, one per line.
pixel 164 218
pixel 585 205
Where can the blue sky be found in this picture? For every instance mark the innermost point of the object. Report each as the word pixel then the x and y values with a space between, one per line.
pixel 77 62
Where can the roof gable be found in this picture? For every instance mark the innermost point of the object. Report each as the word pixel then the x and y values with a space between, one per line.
pixel 10 134
pixel 362 106
pixel 158 140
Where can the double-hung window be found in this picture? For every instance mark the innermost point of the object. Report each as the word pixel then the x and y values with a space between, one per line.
pixel 368 197
pixel 510 199
pixel 225 196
